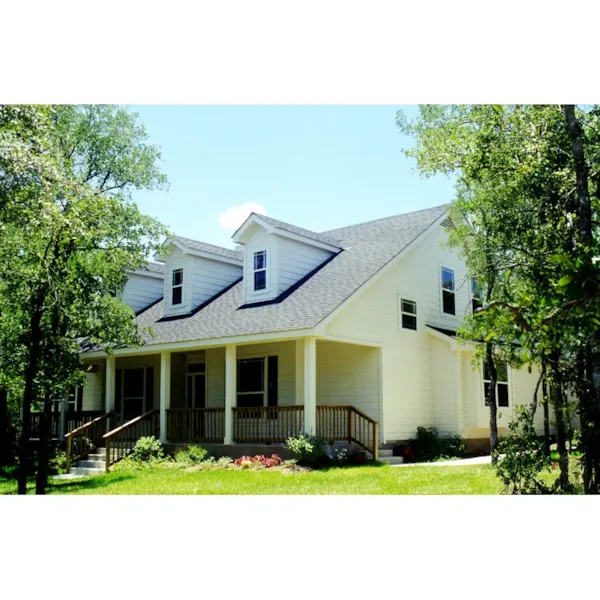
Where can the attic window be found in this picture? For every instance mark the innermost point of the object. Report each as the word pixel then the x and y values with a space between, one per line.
pixel 177 293
pixel 448 291
pixel 408 310
pixel 260 270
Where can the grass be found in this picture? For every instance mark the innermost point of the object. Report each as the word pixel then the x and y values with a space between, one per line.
pixel 476 479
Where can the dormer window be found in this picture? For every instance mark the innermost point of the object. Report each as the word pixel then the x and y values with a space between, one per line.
pixel 260 270
pixel 177 287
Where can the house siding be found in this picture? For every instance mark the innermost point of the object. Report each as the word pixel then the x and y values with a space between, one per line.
pixel 140 291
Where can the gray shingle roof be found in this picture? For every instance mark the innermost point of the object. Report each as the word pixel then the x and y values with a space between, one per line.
pixel 311 235
pixel 154 267
pixel 368 248
pixel 203 247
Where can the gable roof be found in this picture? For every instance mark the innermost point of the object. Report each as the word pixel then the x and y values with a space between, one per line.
pixel 368 247
pixel 311 235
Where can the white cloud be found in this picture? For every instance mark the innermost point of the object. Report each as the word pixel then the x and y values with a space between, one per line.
pixel 234 216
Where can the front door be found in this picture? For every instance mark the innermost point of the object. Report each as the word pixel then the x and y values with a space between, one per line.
pixel 196 386
pixel 136 392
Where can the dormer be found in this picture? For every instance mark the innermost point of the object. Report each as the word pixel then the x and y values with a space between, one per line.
pixel 278 255
pixel 195 273
pixel 144 286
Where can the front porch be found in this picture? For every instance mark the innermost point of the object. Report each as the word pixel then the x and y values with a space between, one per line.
pixel 241 394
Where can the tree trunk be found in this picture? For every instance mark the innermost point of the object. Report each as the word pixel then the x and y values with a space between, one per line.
pixel 29 397
pixel 491 399
pixel 558 402
pixel 41 481
pixel 6 432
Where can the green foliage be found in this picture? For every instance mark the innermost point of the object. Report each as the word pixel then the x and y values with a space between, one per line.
pixel 147 449
pixel 429 446
pixel 307 448
pixel 524 458
pixel 190 455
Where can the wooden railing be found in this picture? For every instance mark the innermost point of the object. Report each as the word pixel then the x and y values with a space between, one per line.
pixel 267 423
pixel 83 440
pixel 195 425
pixel 120 441
pixel 343 422
pixel 73 420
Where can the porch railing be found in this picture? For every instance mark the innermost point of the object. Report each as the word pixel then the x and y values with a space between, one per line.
pixel 83 440
pixel 344 422
pixel 267 423
pixel 73 420
pixel 120 441
pixel 194 425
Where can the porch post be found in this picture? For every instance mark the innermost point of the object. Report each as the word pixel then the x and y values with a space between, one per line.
pixel 63 419
pixel 230 390
pixel 165 392
pixel 310 385
pixel 109 392
pixel 299 372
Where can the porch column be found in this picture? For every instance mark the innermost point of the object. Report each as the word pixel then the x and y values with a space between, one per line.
pixel 310 385
pixel 165 392
pixel 230 390
pixel 109 392
pixel 63 419
pixel 460 416
pixel 299 372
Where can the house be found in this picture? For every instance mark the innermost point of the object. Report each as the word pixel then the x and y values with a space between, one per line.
pixel 348 333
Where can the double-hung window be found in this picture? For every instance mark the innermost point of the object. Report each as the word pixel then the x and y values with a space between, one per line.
pixel 251 382
pixel 260 270
pixel 502 399
pixel 408 314
pixel 177 287
pixel 448 291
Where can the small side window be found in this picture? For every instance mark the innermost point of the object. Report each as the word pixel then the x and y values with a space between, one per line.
pixel 408 314
pixel 475 296
pixel 448 292
pixel 177 287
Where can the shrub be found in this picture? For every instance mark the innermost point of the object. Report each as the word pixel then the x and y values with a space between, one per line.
pixel 191 455
pixel 429 446
pixel 258 462
pixel 147 449
pixel 307 448
pixel 58 462
pixel 523 457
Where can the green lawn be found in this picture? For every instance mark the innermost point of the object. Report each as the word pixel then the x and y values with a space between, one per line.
pixel 479 479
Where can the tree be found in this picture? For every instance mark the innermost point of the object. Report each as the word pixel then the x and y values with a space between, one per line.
pixel 521 193
pixel 73 252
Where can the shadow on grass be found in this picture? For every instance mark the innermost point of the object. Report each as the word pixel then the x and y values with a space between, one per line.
pixel 66 486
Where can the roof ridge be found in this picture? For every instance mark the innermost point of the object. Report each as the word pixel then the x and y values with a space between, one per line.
pixel 297 229
pixel 412 212
pixel 181 237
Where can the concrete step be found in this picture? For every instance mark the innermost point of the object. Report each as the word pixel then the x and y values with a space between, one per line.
pixel 85 471
pixel 97 457
pixel 92 464
pixel 391 460
pixel 385 452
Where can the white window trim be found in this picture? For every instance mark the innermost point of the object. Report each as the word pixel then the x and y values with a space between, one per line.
pixel 266 269
pixel 402 312
pixel 508 385
pixel 181 285
pixel 265 360
pixel 442 290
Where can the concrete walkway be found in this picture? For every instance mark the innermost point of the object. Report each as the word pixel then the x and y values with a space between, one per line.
pixel 461 462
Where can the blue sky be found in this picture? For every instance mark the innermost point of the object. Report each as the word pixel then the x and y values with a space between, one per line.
pixel 318 167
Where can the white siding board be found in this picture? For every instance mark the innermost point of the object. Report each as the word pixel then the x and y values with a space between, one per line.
pixel 141 291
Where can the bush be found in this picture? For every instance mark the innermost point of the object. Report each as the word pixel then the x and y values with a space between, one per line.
pixel 307 448
pixel 428 446
pixel 147 449
pixel 524 457
pixel 57 463
pixel 191 455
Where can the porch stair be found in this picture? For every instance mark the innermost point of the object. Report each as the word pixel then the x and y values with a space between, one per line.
pixel 94 464
pixel 386 455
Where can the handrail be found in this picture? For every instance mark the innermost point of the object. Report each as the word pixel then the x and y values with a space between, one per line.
pixel 195 425
pixel 76 446
pixel 117 445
